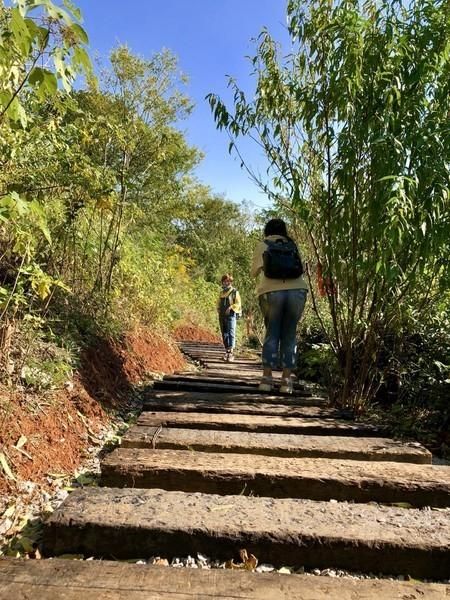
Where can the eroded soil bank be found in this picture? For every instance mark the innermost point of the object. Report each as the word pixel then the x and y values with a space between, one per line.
pixel 49 437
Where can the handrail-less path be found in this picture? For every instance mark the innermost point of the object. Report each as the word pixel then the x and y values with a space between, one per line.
pixel 213 466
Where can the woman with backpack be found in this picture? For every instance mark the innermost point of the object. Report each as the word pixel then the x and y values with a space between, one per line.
pixel 282 292
pixel 228 308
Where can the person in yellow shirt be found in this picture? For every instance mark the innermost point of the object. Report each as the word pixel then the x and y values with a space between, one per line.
pixel 228 308
pixel 282 292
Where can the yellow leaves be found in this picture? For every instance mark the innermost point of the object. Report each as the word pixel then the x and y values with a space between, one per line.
pixel 5 467
pixel 42 284
pixel 249 562
pixel 19 446
pixel 21 442
pixel 43 289
pixel 105 203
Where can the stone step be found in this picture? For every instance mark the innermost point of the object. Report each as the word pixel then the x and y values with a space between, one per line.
pixel 224 376
pixel 242 364
pixel 127 523
pixel 257 423
pixel 237 373
pixel 248 396
pixel 106 580
pixel 276 444
pixel 251 404
pixel 209 384
pixel 216 376
pixel 311 478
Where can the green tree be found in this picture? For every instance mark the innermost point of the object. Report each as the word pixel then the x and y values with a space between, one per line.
pixel 354 122
pixel 42 48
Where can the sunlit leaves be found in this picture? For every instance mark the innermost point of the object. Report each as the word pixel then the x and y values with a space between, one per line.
pixel 27 35
pixel 354 123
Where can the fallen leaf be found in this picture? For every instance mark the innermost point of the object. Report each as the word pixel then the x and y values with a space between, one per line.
pixel 23 452
pixel 250 562
pixel 9 511
pixel 160 561
pixel 84 479
pixel 6 468
pixel 21 442
pixel 284 570
pixel 243 554
pixel 5 526
pixel 230 564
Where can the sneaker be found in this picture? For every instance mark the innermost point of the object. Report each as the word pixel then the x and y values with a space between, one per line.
pixel 266 384
pixel 225 357
pixel 287 386
pixel 230 357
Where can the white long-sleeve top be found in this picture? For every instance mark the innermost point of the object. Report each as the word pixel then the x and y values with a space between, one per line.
pixel 264 284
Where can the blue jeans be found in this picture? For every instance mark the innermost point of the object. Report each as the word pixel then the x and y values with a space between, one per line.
pixel 282 311
pixel 228 330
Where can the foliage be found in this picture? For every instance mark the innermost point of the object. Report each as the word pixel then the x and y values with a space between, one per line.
pixel 42 46
pixel 354 122
pixel 97 198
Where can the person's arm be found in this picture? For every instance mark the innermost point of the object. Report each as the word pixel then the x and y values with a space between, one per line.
pixel 236 306
pixel 257 263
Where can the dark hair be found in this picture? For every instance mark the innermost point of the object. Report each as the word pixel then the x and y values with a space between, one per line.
pixel 227 276
pixel 275 227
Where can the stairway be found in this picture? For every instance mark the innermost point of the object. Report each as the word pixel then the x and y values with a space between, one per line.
pixel 213 466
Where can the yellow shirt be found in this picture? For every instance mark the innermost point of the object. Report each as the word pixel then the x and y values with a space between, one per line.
pixel 235 306
pixel 265 284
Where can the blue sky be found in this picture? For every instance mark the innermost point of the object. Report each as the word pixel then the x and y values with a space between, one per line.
pixel 211 39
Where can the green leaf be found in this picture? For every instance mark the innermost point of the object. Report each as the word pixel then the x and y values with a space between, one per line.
pixel 16 112
pixel 81 60
pixel 23 7
pixel 44 81
pixel 73 9
pixel 36 209
pixel 21 33
pixel 61 69
pixel 80 33
pixel 21 206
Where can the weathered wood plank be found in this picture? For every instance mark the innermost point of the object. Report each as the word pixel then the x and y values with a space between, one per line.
pixel 257 423
pixel 311 478
pixel 105 580
pixel 277 444
pixel 209 384
pixel 217 376
pixel 194 402
pixel 127 523
pixel 246 397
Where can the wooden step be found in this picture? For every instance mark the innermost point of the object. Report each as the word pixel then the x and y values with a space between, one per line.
pixel 106 580
pixel 216 376
pixel 311 478
pixel 189 384
pixel 230 397
pixel 276 444
pixel 126 523
pixel 241 364
pixel 218 403
pixel 257 423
